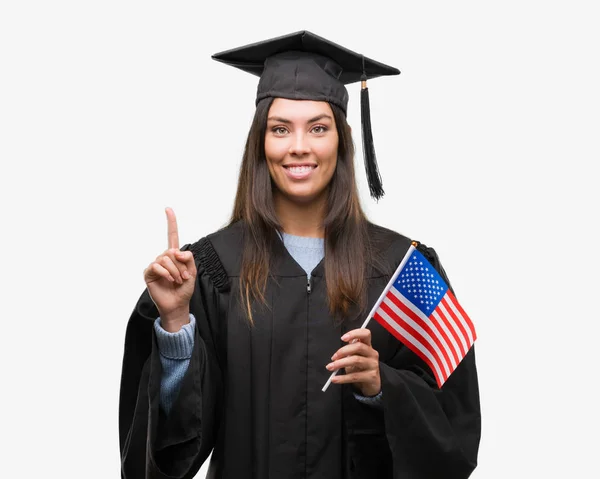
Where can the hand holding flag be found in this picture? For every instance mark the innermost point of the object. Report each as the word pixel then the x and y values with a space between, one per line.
pixel 418 308
pixel 360 362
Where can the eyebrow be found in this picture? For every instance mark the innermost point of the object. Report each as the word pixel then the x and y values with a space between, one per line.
pixel 312 120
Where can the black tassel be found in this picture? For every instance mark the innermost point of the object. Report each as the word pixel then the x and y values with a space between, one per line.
pixel 373 176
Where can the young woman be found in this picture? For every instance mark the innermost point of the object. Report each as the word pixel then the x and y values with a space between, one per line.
pixel 229 347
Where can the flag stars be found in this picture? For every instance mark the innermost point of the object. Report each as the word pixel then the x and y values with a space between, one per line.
pixel 420 283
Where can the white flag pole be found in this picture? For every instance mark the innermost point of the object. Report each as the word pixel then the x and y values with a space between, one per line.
pixel 379 301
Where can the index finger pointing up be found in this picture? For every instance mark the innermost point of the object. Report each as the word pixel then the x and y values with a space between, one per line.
pixel 172 233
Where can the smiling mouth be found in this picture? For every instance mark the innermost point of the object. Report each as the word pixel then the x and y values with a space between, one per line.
pixel 299 168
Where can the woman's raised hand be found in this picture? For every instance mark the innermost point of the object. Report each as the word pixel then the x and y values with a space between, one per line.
pixel 170 279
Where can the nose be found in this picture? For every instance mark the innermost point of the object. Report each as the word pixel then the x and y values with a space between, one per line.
pixel 299 145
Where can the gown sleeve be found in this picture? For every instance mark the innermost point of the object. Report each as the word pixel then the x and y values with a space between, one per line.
pixel 432 433
pixel 152 444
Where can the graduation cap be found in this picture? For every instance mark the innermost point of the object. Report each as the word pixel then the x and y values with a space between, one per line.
pixel 305 66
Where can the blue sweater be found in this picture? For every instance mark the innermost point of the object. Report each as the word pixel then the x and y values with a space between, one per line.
pixel 176 348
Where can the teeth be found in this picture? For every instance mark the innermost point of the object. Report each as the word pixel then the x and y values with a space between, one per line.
pixel 300 169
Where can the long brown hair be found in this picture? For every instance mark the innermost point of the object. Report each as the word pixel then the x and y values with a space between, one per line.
pixel 347 247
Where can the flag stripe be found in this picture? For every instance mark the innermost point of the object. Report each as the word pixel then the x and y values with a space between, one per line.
pixel 401 302
pixel 450 340
pixel 443 312
pixel 440 327
pixel 441 319
pixel 449 311
pixel 461 313
pixel 461 320
pixel 417 331
pixel 410 342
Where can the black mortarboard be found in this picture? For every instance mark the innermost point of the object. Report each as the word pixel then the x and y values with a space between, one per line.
pixel 304 66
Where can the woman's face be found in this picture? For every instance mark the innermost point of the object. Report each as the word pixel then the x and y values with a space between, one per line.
pixel 301 144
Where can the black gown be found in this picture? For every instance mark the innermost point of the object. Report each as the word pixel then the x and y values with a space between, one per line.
pixel 253 396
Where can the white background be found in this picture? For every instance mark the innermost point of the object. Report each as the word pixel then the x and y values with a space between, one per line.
pixel 112 110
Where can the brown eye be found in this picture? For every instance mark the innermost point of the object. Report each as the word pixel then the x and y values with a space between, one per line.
pixel 279 130
pixel 319 129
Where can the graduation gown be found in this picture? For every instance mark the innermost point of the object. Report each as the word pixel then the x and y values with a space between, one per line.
pixel 252 395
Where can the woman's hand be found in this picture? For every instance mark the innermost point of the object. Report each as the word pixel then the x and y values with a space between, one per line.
pixel 360 361
pixel 170 279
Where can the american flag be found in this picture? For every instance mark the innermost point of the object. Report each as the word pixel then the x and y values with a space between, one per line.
pixel 421 312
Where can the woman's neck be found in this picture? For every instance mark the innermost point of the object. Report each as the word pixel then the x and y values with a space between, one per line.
pixel 301 219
